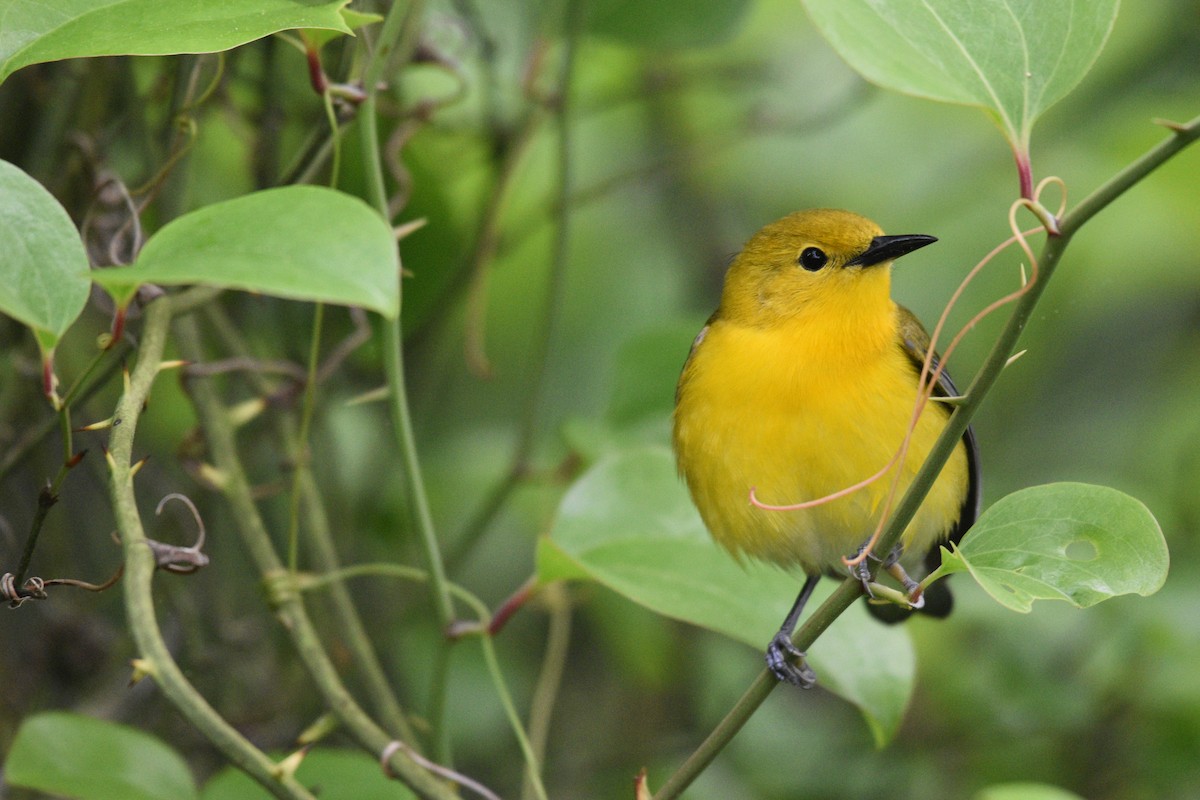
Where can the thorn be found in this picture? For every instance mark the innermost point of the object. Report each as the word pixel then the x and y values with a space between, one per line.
pixel 640 790
pixel 246 411
pixel 373 396
pixel 409 228
pixel 112 463
pixel 1013 358
pixel 286 769
pixel 137 466
pixel 212 476
pixel 103 424
pixel 125 376
pixel 179 362
pixel 1176 127
pixel 74 460
pixel 1024 277
pixel 325 725
pixel 142 668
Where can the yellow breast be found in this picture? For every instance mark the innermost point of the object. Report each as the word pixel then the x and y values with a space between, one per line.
pixel 797 415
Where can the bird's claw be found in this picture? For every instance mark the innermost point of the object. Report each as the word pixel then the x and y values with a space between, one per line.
pixel 786 662
pixel 862 571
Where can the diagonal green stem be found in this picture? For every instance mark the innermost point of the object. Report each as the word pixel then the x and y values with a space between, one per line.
pixel 850 589
pixel 308 582
pixel 319 541
pixel 289 608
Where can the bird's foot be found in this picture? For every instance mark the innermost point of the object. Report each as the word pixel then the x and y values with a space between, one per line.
pixel 787 664
pixel 862 571
pixel 911 588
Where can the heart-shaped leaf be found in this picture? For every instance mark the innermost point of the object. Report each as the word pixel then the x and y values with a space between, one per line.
pixel 71 755
pixel 33 32
pixel 1015 58
pixel 300 242
pixel 1062 541
pixel 43 274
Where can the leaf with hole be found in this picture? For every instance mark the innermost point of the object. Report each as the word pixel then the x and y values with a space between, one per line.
pixel 1014 58
pixel 629 524
pixel 43 275
pixel 299 242
pixel 33 31
pixel 1062 541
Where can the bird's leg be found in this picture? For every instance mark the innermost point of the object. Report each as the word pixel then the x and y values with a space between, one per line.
pixel 862 570
pixel 911 587
pixel 784 659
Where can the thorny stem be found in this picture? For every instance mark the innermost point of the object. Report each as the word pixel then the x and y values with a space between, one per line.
pixel 322 551
pixel 482 628
pixel 288 606
pixel 850 589
pixel 140 567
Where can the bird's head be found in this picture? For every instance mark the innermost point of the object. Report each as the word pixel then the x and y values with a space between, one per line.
pixel 819 261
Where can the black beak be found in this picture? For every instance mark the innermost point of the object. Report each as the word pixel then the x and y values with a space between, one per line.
pixel 887 248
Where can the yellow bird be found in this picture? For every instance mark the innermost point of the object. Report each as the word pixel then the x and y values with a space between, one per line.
pixel 803 383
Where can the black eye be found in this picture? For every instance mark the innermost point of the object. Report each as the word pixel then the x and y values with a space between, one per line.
pixel 812 258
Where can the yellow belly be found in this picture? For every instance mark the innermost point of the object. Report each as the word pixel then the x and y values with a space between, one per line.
pixel 760 410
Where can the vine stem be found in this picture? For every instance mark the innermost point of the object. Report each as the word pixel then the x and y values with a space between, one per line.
pixel 288 606
pixel 1002 350
pixel 529 749
pixel 320 544
pixel 395 44
pixel 302 454
pixel 156 659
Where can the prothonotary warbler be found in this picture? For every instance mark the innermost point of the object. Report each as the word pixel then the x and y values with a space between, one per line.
pixel 803 383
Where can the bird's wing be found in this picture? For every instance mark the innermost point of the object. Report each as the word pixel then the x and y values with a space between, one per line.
pixel 683 375
pixel 916 342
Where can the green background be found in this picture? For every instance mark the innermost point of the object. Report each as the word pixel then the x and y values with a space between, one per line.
pixel 690 130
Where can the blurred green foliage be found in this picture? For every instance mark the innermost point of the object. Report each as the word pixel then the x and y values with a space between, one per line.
pixel 682 147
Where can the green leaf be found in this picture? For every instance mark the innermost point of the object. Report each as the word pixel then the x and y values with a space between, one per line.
pixel 1026 791
pixel 643 24
pixel 43 274
pixel 332 774
pixel 74 756
pixel 1063 541
pixel 316 38
pixel 1015 58
pixel 32 31
pixel 300 242
pixel 629 524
